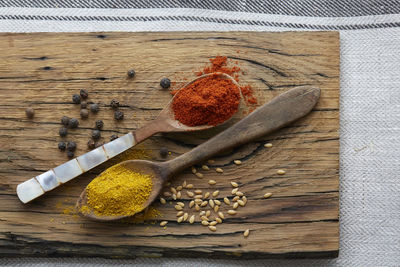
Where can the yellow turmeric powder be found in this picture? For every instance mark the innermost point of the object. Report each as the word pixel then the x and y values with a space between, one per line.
pixel 118 191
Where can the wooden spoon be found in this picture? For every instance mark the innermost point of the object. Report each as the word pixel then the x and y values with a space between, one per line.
pixel 279 112
pixel 165 122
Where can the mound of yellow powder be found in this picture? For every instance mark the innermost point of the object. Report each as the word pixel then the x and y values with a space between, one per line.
pixel 118 191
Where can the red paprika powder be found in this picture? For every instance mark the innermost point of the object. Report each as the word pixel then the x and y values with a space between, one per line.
pixel 208 101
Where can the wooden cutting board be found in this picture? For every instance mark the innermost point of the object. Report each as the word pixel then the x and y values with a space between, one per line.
pixel 43 71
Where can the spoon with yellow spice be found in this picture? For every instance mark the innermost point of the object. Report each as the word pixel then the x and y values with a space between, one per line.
pixel 129 187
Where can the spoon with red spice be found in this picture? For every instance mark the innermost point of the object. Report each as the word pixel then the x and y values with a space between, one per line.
pixel 205 102
pixel 282 110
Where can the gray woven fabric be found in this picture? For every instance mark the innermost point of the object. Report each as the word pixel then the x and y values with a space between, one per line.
pixel 370 101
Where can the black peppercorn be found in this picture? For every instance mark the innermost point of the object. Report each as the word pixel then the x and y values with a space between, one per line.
pixel 71 146
pixel 76 99
pixel 91 144
pixel 94 108
pixel 165 83
pixel 84 113
pixel 163 152
pixel 99 124
pixel 84 93
pixel 73 123
pixel 114 104
pixel 70 154
pixel 63 131
pixel 96 134
pixel 30 112
pixel 65 120
pixel 118 115
pixel 62 146
pixel 131 73
pixel 83 104
pixel 113 137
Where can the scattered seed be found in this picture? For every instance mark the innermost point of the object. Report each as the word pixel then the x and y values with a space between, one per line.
pixel 205 167
pixel 219 170
pixel 203 212
pixel 208 213
pixel 73 123
pixel 189 186
pixel 216 208
pixel 71 146
pixel 181 204
pixel 70 154
pixel 218 220
pixel 204 218
pixel 76 99
pixel 237 162
pixel 96 134
pixel 246 233
pixel 179 214
pixel 234 191
pixel 235 205
pixel 198 196
pixel 163 223
pixel 179 188
pixel 204 203
pixel 212 182
pixel 173 196
pixel 199 175
pixel 205 223
pixel 226 200
pixel 198 201
pixel 268 145
pixel 63 132
pixel 177 207
pixel 267 195
pixel 184 184
pixel 191 204
pixel 280 172
pixel 118 115
pixel 167 194
pixel 215 193
pixel 217 202
pixel 213 223
pixel 83 105
pixel 162 200
pixel 114 104
pixel 91 144
pixel 113 137
pixel 185 216
pixel 212 228
pixel 30 112
pixel 165 83
pixel 244 198
pixel 62 146
pixel 190 193
pixel 173 190
pixel 236 198
pixel 211 202
pixel 65 120
pixel 240 194
pixel 194 170
pixel 198 191
pixel 180 219
pixel 232 212
pixel 179 195
pixel 94 108
pixel 196 207
pixel 221 215
pixel 240 202
pixel 84 113
pixel 207 194
pixel 210 161
pixel 84 93
pixel 191 219
pixel 131 73
pixel 234 184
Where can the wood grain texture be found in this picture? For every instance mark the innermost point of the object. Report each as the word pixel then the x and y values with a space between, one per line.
pixel 44 70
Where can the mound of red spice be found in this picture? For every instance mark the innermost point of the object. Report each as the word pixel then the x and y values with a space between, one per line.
pixel 208 101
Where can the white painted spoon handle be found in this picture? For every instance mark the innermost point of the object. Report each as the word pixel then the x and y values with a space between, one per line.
pixel 37 186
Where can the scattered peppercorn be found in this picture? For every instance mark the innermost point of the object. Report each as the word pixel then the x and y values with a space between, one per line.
pixel 165 83
pixel 71 146
pixel 94 108
pixel 70 154
pixel 84 93
pixel 114 104
pixel 84 113
pixel 163 152
pixel 83 104
pixel 99 124
pixel 30 112
pixel 76 99
pixel 63 131
pixel 118 115
pixel 131 73
pixel 73 123
pixel 91 144
pixel 113 137
pixel 62 146
pixel 96 134
pixel 65 120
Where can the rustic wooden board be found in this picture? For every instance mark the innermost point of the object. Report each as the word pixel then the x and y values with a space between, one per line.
pixel 44 70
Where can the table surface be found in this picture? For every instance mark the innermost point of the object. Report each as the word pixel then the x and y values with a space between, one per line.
pixel 370 152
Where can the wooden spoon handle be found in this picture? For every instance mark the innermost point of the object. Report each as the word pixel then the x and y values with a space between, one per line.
pixel 279 112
